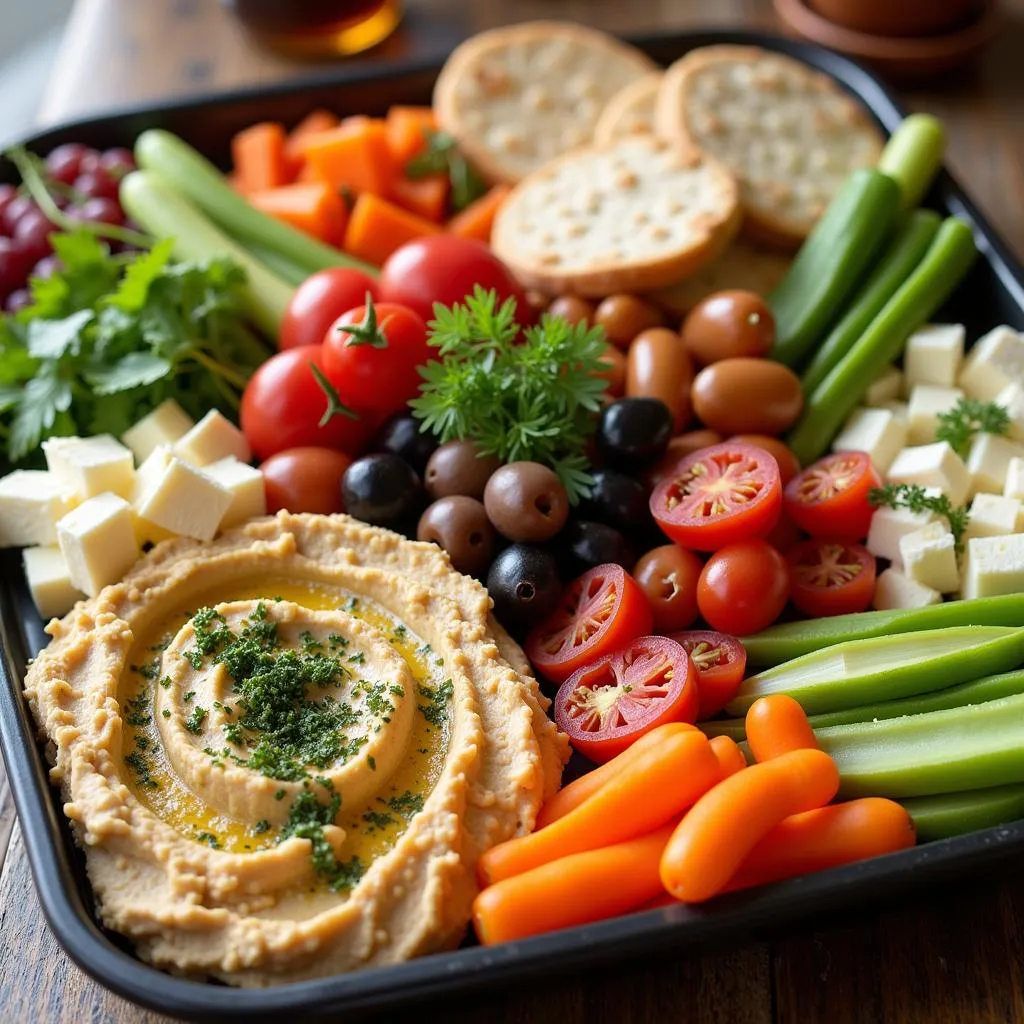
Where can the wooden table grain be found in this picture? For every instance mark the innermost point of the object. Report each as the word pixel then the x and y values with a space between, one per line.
pixel 952 956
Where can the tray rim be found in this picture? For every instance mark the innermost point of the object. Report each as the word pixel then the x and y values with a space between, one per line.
pixel 434 977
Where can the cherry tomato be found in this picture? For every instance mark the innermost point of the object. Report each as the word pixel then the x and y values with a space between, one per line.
pixel 319 301
pixel 305 480
pixel 668 576
pixel 720 661
pixel 283 403
pixel 743 587
pixel 784 534
pixel 600 610
pixel 445 269
pixel 830 497
pixel 831 577
pixel 719 495
pixel 613 701
pixel 788 464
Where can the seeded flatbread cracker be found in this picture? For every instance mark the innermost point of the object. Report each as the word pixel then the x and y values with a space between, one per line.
pixel 632 216
pixel 789 133
pixel 515 97
pixel 630 111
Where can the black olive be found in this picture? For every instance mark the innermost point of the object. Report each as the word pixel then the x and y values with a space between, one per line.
pixel 617 500
pixel 383 490
pixel 524 584
pixel 634 432
pixel 584 544
pixel 401 435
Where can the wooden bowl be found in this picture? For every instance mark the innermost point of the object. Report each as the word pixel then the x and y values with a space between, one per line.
pixel 901 17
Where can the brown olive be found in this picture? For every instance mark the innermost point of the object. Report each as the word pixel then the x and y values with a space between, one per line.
pixel 615 374
pixel 668 575
pixel 728 324
pixel 623 317
pixel 747 396
pixel 659 367
pixel 572 308
pixel 458 468
pixel 526 502
pixel 460 526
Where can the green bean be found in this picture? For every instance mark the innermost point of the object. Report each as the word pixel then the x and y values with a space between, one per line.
pixel 913 155
pixel 953 814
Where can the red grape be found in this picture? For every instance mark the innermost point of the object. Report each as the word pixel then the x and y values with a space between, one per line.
pixel 32 234
pixel 102 211
pixel 96 185
pixel 18 299
pixel 47 267
pixel 64 163
pixel 90 162
pixel 7 195
pixel 14 211
pixel 117 162
pixel 13 266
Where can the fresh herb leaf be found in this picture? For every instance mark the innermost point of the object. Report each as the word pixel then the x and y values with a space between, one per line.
pixel 442 156
pixel 968 418
pixel 915 498
pixel 135 370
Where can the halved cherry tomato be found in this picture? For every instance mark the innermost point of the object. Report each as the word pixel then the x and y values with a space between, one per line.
pixel 608 704
pixel 828 577
pixel 719 495
pixel 743 587
pixel 600 610
pixel 830 497
pixel 720 661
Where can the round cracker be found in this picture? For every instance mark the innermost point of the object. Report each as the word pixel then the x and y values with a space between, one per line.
pixel 515 97
pixel 789 133
pixel 632 216
pixel 630 111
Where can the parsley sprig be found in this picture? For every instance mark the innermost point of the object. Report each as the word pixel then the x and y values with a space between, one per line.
pixel 916 499
pixel 442 156
pixel 533 398
pixel 968 418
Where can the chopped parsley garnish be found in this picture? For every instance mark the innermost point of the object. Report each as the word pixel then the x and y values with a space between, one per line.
pixel 336 642
pixel 378 819
pixel 358 658
pixel 194 722
pixel 188 696
pixel 352 604
pixel 306 820
pixel 310 644
pixel 279 795
pixel 372 762
pixel 136 711
pixel 261 826
pixel 377 704
pixel 395 690
pixel 166 713
pixel 968 418
pixel 916 499
pixel 142 742
pixel 165 682
pixel 406 804
pixel 435 711
pixel 209 838
pixel 400 632
pixel 140 766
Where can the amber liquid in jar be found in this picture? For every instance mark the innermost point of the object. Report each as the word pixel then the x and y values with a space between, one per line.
pixel 319 28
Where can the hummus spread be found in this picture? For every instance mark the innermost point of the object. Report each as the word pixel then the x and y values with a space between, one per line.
pixel 284 751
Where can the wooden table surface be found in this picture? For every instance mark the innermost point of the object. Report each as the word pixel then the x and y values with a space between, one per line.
pixel 954 955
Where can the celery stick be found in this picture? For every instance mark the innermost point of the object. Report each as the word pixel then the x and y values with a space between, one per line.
pixel 734 728
pixel 912 156
pixel 953 814
pixel 886 668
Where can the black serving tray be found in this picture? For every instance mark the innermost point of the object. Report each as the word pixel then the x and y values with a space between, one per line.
pixel 992 294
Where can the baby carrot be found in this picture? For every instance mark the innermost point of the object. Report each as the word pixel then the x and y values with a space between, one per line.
pixel 655 786
pixel 826 837
pixel 730 757
pixel 571 891
pixel 726 823
pixel 776 725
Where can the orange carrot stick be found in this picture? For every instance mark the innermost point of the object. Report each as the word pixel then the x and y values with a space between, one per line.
pixel 776 725
pixel 730 757
pixel 574 890
pixel 376 228
pixel 825 838
pixel 314 208
pixel 725 824
pixel 258 155
pixel 407 131
pixel 477 219
pixel 426 197
pixel 314 122
pixel 658 785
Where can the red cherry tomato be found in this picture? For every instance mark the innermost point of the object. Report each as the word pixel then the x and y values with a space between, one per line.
pixel 601 610
pixel 305 480
pixel 720 661
pixel 445 269
pixel 607 705
pixel 319 301
pixel 831 577
pixel 743 587
pixel 374 365
pixel 283 403
pixel 830 497
pixel 719 495
pixel 668 576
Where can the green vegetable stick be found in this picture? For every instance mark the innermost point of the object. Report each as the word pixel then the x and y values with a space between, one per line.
pixel 947 261
pixel 896 265
pixel 284 268
pixel 953 814
pixel 886 668
pixel 913 155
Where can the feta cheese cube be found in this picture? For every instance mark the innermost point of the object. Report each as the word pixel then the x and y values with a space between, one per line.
pixel 97 540
pixel 926 402
pixel 933 355
pixel 49 581
pixel 993 515
pixel 213 438
pixel 180 498
pixel 88 466
pixel 994 361
pixel 248 495
pixel 875 431
pixel 933 465
pixel 894 590
pixel 890 525
pixel 1011 398
pixel 988 461
pixel 31 502
pixel 1014 486
pixel 887 386
pixel 928 556
pixel 994 566
pixel 167 423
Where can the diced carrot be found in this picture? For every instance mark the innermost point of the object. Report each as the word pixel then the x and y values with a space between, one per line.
pixel 407 131
pixel 306 175
pixel 477 219
pixel 354 155
pixel 426 197
pixel 777 724
pixel 314 122
pixel 258 155
pixel 314 208
pixel 376 228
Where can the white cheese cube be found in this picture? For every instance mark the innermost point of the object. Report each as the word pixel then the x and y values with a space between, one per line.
pixel 933 355
pixel 213 438
pixel 167 423
pixel 1014 485
pixel 248 495
pixel 929 557
pixel 1011 398
pixel 926 402
pixel 181 499
pixel 887 386
pixel 899 409
pixel 875 431
pixel 994 361
pixel 88 466
pixel 988 461
pixel 890 525
pixel 993 515
pixel 49 581
pixel 97 540
pixel 894 590
pixel 933 465
pixel 31 502
pixel 994 566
